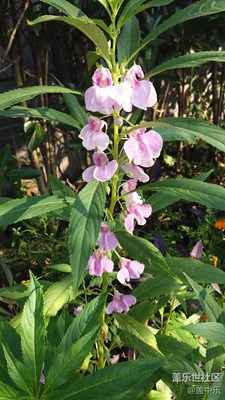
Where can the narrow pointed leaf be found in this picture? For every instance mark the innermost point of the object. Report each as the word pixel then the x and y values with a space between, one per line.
pixel 8 393
pixel 155 287
pixel 57 295
pixel 49 114
pixel 188 60
pixel 196 10
pixel 65 7
pixel 14 210
pixel 17 372
pixel 85 25
pixel 209 330
pixel 84 227
pixel 129 39
pixel 67 362
pixel 16 96
pixel 114 382
pixel 142 250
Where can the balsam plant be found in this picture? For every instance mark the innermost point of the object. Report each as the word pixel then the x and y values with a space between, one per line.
pixel 124 290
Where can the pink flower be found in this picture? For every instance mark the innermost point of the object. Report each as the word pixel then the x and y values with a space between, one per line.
pixel 130 270
pixel 98 97
pixel 121 302
pixel 42 379
pixel 99 263
pixel 107 240
pixel 93 135
pixel 128 186
pixel 135 172
pixel 102 171
pixel 137 211
pixel 77 310
pixel 197 250
pixel 121 94
pixel 143 147
pixel 143 92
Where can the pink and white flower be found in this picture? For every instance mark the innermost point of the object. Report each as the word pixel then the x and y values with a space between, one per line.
pixel 121 302
pixel 107 240
pixel 93 135
pixel 98 263
pixel 102 171
pixel 98 97
pixel 135 172
pixel 128 186
pixel 137 211
pixel 130 270
pixel 143 92
pixel 197 250
pixel 143 147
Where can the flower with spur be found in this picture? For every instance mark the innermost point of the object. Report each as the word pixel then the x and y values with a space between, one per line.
pixel 143 147
pixel 137 211
pixel 135 172
pixel 98 97
pixel 121 302
pixel 107 240
pixel 102 171
pixel 130 270
pixel 128 186
pixel 98 263
pixel 93 136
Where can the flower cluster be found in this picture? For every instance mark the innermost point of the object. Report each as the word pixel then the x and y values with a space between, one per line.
pixel 140 149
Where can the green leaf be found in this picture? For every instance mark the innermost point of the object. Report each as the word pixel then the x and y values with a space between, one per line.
pixel 59 188
pixel 221 394
pixel 5 156
pixel 142 250
pixel 57 295
pixel 86 26
pixel 14 210
pixel 65 363
pixel 113 382
pixel 210 307
pixel 17 372
pixel 207 194
pixel 196 10
pixel 84 227
pixel 197 270
pixel 61 267
pixel 128 40
pixel 83 323
pixel 8 393
pixel 159 201
pixel 16 96
pixel 33 334
pixel 49 114
pixel 77 112
pixel 130 326
pixel 65 7
pixel 23 173
pixel 153 287
pixel 209 330
pixel 38 137
pixel 188 60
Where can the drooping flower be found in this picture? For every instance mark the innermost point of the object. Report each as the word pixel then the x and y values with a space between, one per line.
pixel 98 263
pixel 135 172
pixel 197 250
pixel 103 170
pixel 107 240
pixel 98 97
pixel 121 94
pixel 137 211
pixel 77 310
pixel 121 302
pixel 143 92
pixel 130 270
pixel 128 186
pixel 93 135
pixel 143 147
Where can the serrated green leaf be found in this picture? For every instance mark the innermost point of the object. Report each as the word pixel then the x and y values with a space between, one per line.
pixel 196 10
pixel 77 112
pixel 209 330
pixel 83 323
pixel 65 7
pixel 17 372
pixel 23 173
pixel 86 26
pixel 188 60
pixel 5 155
pixel 207 194
pixel 16 96
pixel 14 210
pixel 67 362
pixel 57 295
pixel 33 334
pixel 48 114
pixel 84 227
pixel 128 40
pixel 8 393
pixel 113 382
pixel 59 188
pixel 38 137
pixel 155 287
pixel 197 270
pixel 142 250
